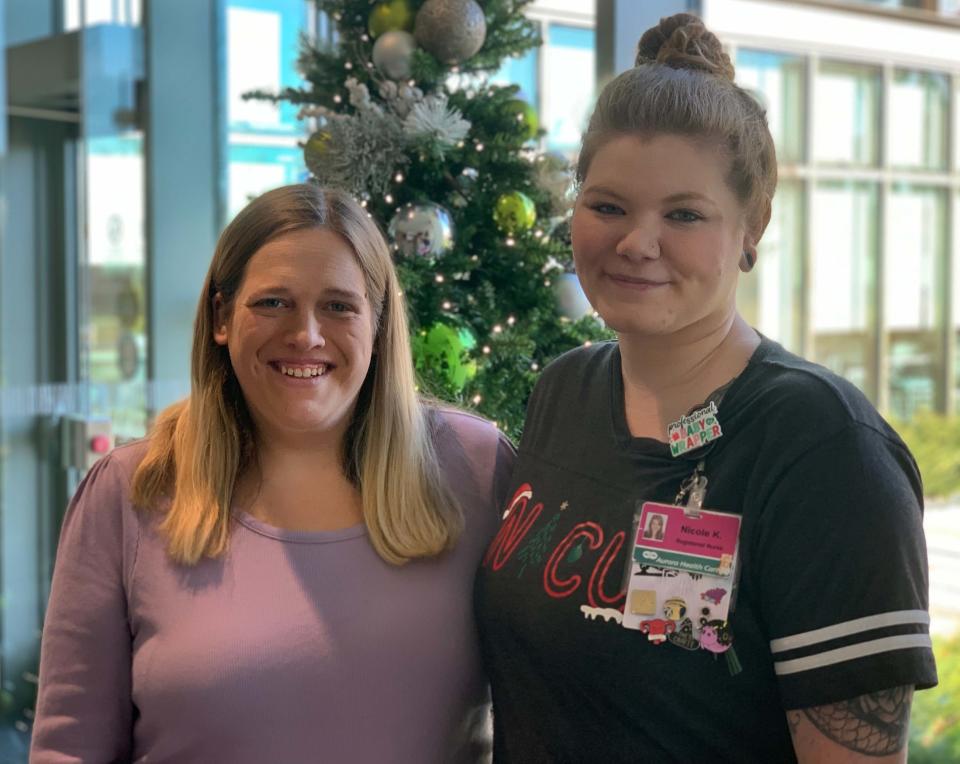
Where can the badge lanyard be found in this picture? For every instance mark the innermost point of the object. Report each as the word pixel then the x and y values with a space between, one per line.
pixel 682 569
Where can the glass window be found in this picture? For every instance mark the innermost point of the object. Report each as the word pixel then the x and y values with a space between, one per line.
pixel 523 72
pixel 770 298
pixel 843 280
pixel 847 114
pixel 263 137
pixel 80 13
pixel 568 87
pixel 956 125
pixel 956 305
pixel 778 80
pixel 918 114
pixel 113 342
pixel 916 236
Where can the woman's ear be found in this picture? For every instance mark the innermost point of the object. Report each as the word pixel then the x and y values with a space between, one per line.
pixel 219 320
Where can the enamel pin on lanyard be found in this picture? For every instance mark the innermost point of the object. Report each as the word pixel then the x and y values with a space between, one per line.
pixel 683 559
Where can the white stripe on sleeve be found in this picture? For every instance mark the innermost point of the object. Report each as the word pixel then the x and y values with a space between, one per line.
pixel 847 628
pixel 852 652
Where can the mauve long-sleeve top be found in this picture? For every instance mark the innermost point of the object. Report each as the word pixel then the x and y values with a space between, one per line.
pixel 293 647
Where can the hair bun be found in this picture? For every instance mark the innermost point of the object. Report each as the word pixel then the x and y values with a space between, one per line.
pixel 682 41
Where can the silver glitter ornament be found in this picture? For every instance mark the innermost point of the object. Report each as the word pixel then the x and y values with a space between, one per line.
pixel 571 300
pixel 393 54
pixel 451 30
pixel 422 230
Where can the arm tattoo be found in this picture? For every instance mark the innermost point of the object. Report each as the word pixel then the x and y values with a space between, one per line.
pixel 875 724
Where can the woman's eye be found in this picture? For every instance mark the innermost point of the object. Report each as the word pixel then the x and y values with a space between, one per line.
pixel 269 302
pixel 605 208
pixel 685 216
pixel 340 307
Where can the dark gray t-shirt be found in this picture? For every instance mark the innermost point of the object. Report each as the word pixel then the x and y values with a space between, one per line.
pixel 832 598
pixel 294 647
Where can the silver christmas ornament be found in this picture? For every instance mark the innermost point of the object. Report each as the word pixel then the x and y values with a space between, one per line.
pixel 571 300
pixel 451 30
pixel 558 230
pixel 422 230
pixel 555 175
pixel 393 54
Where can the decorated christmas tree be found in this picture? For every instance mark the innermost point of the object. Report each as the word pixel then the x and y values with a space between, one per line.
pixel 449 165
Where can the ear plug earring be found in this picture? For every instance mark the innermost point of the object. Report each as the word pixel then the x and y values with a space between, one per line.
pixel 747 260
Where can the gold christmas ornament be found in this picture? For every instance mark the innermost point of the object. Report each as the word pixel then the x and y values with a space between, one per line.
pixel 393 14
pixel 317 146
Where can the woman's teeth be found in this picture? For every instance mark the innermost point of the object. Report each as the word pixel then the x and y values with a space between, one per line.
pixel 303 371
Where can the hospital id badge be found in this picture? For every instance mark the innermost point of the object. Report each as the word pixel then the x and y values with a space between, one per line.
pixel 682 570
pixel 669 536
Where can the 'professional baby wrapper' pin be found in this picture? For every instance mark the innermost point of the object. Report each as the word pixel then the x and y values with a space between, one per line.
pixel 694 430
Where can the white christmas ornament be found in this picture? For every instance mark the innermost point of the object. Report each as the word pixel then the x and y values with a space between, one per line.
pixel 434 118
pixel 393 54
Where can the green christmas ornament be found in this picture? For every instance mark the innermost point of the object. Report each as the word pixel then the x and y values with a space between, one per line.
pixel 393 14
pixel 443 350
pixel 514 212
pixel 524 114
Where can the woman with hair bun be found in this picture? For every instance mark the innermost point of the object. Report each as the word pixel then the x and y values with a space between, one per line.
pixel 282 571
pixel 781 614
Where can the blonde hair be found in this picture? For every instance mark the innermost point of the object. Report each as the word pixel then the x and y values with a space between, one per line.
pixel 683 84
pixel 199 446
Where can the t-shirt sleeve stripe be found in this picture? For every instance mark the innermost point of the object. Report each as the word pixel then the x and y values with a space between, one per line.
pixel 848 628
pixel 852 652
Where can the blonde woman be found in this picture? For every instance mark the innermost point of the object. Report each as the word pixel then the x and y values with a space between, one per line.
pixel 282 571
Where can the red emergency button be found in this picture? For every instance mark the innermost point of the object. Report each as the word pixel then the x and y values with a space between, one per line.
pixel 100 444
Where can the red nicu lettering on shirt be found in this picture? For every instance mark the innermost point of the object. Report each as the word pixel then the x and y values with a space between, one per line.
pixel 514 528
pixel 552 584
pixel 598 576
pixel 558 587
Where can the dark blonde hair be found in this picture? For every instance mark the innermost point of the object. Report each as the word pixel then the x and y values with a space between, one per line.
pixel 199 446
pixel 683 84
